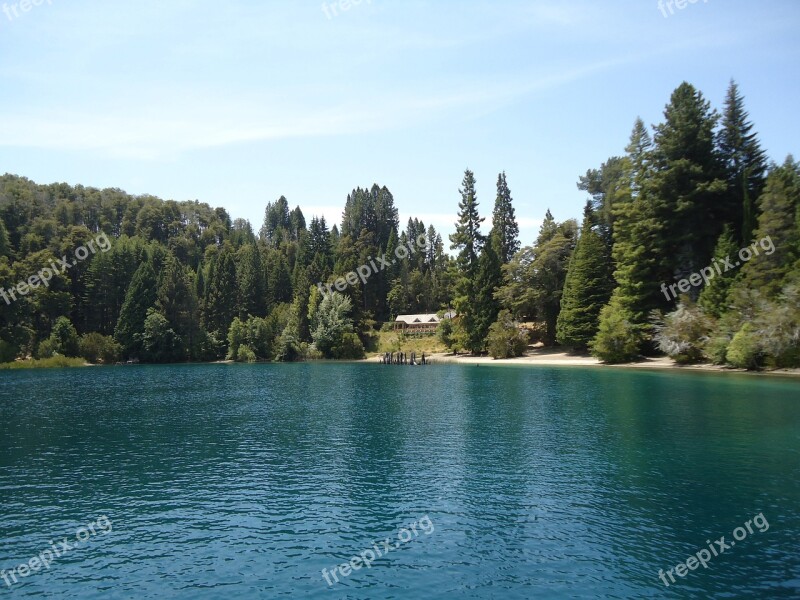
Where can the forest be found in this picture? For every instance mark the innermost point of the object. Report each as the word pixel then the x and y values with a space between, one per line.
pixel 185 282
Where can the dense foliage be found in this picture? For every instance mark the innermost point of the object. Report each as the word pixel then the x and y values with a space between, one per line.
pixel 182 281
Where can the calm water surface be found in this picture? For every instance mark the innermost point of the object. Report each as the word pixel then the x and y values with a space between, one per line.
pixel 247 481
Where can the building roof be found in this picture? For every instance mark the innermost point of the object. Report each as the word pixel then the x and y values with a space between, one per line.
pixel 417 319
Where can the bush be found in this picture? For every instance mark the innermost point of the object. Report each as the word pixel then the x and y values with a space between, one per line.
pixel 505 340
pixel 349 348
pixel 64 339
pixel 716 348
pixel 778 326
pixel 160 344
pixel 617 339
pixel 97 348
pixel 683 334
pixel 745 350
pixel 263 337
pixel 46 349
pixel 246 354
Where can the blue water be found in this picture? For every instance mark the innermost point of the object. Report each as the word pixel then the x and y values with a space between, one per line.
pixel 234 481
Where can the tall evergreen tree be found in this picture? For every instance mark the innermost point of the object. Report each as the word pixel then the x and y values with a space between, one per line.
pixel 469 242
pixel 487 307
pixel 637 230
pixel 276 223
pixel 639 254
pixel 141 297
pixel 745 165
pixel 504 223
pixel 221 300
pixel 176 301
pixel 587 288
pixel 687 187
pixel 468 239
pixel 252 286
pixel 280 280
pixel 780 214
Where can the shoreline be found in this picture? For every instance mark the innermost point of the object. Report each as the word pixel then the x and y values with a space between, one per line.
pixel 531 359
pixel 565 359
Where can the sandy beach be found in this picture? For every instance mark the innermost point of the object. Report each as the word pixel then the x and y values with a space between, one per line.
pixel 559 358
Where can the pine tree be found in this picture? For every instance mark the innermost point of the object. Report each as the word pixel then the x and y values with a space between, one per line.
pixel 640 252
pixel 504 222
pixel 177 302
pixel 587 288
pixel 140 298
pixel 252 286
pixel 745 165
pixel 100 296
pixel 221 300
pixel 276 223
pixel 487 307
pixel 687 187
pixel 779 206
pixel 468 241
pixel 280 280
pixel 714 297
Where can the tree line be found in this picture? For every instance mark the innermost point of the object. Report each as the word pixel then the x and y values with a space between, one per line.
pixel 185 282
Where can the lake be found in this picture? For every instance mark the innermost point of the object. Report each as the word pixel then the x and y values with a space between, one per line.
pixel 450 481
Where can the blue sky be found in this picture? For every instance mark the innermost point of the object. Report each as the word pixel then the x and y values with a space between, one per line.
pixel 236 103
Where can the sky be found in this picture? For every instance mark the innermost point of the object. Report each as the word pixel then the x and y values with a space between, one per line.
pixel 236 103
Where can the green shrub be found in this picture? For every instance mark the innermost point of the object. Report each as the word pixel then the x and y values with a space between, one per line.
pixel 246 354
pixel 64 338
pixel 745 350
pixel 716 348
pixel 97 348
pixel 617 340
pixel 349 348
pixel 505 340
pixel 46 349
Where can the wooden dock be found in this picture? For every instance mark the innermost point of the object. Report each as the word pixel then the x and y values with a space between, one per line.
pixel 403 358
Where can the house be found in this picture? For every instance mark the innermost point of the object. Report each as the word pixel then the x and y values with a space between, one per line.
pixel 419 323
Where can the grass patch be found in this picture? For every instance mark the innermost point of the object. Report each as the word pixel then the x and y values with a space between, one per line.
pixel 392 341
pixel 56 362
